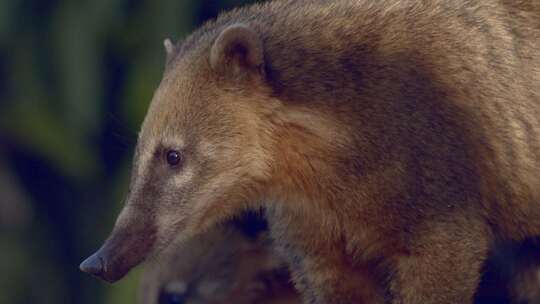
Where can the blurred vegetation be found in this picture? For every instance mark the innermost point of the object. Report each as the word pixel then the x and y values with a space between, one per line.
pixel 76 78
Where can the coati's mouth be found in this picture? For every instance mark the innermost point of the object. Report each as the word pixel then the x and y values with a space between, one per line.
pixel 123 250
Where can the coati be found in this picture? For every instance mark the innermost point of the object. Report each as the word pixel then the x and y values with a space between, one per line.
pixel 391 143
pixel 232 263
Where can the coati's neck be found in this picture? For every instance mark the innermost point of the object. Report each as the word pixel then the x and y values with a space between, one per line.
pixel 304 182
pixel 320 184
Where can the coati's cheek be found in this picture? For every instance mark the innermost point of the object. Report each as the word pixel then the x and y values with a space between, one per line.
pixel 181 179
pixel 207 149
pixel 170 224
pixel 215 201
pixel 173 208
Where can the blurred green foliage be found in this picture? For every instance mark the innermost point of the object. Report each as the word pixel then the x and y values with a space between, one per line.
pixel 76 78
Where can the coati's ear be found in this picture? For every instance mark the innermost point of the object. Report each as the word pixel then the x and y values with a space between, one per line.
pixel 238 50
pixel 169 49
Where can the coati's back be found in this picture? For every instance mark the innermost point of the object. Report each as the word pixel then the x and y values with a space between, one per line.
pixel 457 82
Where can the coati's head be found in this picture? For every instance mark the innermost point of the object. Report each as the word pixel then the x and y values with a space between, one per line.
pixel 212 142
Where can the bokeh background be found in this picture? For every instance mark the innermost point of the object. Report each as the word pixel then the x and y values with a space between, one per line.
pixel 76 78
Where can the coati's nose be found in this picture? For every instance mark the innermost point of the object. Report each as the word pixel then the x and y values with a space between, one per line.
pixel 93 265
pixel 102 265
pixel 122 251
pixel 106 266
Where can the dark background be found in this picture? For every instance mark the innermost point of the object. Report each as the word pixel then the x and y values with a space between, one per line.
pixel 76 78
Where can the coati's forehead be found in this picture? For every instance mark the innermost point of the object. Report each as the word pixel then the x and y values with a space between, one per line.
pixel 188 106
pixel 177 100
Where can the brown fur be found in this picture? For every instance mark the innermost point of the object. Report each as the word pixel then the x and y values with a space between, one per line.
pixel 393 141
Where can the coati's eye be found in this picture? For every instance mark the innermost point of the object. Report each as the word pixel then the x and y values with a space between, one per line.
pixel 174 158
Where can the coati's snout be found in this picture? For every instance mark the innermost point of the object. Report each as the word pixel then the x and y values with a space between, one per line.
pixel 116 257
pixel 127 246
